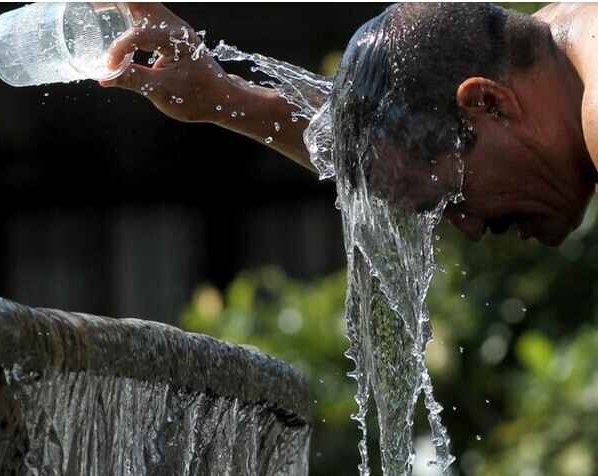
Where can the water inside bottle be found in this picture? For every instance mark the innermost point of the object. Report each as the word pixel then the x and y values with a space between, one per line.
pixel 89 30
pixel 46 43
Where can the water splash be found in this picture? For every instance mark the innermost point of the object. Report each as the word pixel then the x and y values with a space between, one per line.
pixel 390 265
pixel 298 86
pixel 390 262
pixel 301 88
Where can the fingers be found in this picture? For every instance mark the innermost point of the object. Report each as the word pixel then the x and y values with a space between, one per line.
pixel 156 29
pixel 120 48
pixel 163 40
pixel 139 38
pixel 141 10
pixel 136 78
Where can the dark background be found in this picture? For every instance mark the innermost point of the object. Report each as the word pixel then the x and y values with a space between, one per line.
pixel 111 208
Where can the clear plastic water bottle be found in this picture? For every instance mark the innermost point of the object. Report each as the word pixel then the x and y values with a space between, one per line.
pixel 45 43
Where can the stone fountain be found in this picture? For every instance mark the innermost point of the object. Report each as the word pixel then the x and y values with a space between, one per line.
pixel 89 395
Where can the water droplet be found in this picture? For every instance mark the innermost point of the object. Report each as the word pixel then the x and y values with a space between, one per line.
pixel 242 114
pixel 434 178
pixel 294 119
pixel 487 402
pixel 219 107
pixel 323 420
pixel 458 198
pixel 179 100
pixel 268 140
pixel 478 437
pixel 461 350
pixel 233 114
pixel 46 95
pixel 276 126
pixel 163 25
pixel 454 408
pixel 462 296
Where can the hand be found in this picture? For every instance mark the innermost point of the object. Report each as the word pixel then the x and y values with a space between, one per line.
pixel 184 82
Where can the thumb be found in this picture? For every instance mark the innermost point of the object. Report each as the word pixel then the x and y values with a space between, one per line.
pixel 136 78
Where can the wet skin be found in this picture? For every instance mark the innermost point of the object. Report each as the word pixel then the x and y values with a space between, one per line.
pixel 534 162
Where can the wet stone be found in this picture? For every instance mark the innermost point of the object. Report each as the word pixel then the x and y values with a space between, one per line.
pixel 82 394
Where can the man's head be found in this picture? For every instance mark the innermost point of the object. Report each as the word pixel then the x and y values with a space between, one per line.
pixel 425 86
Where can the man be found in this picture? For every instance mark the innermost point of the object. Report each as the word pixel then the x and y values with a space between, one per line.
pixel 514 96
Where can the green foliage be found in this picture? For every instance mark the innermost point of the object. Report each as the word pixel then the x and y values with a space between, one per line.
pixel 553 410
pixel 526 380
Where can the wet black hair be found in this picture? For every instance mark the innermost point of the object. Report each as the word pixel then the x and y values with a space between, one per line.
pixel 401 70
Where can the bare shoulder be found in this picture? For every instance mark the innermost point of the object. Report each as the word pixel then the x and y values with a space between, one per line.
pixel 589 119
pixel 574 27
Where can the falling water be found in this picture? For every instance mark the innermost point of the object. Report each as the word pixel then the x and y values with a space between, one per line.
pixel 298 86
pixel 82 394
pixel 81 423
pixel 390 262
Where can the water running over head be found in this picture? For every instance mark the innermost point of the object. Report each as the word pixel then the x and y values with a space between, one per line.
pixel 392 191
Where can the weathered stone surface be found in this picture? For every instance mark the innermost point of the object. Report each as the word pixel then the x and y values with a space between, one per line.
pixel 82 394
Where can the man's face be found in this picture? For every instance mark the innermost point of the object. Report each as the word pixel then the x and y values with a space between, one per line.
pixel 415 185
pixel 506 185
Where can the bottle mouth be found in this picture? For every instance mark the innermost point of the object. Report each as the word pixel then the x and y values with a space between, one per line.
pixel 89 31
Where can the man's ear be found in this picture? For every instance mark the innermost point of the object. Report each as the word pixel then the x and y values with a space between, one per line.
pixel 481 95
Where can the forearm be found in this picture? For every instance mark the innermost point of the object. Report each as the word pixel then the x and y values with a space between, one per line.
pixel 261 114
pixel 195 88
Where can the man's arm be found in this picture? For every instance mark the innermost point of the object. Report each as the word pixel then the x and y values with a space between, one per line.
pixel 263 115
pixel 194 88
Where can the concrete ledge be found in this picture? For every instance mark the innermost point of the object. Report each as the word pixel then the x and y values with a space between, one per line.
pixel 35 340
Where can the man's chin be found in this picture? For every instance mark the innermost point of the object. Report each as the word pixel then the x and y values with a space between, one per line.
pixel 553 236
pixel 551 240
